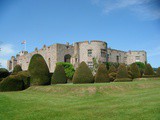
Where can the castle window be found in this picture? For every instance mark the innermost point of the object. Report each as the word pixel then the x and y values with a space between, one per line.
pixel 89 53
pixel 103 53
pixel 137 58
pixel 90 64
pixel 67 58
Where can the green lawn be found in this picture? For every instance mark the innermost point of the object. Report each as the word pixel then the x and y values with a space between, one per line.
pixel 138 100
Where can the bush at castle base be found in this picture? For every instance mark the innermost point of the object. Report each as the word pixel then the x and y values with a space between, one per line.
pixel 59 75
pixel 25 76
pixel 112 76
pixel 12 83
pixel 83 74
pixel 39 71
pixel 101 75
pixel 135 71
pixel 17 69
pixel 122 74
pixel 149 70
pixel 112 69
pixel 68 68
pixel 158 72
pixel 3 73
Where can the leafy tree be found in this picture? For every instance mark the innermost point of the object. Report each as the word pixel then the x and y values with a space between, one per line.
pixel 39 71
pixel 141 67
pixel 69 69
pixel 59 75
pixel 83 74
pixel 101 75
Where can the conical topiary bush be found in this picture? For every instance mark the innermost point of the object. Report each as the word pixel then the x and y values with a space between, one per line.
pixel 158 72
pixel 17 69
pixel 122 74
pixel 101 75
pixel 149 70
pixel 39 71
pixel 112 69
pixel 59 75
pixel 83 74
pixel 135 71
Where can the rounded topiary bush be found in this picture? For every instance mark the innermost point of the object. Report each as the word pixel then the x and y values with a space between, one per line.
pixel 83 74
pixel 112 69
pixel 17 69
pixel 12 83
pixel 122 74
pixel 135 71
pixel 101 75
pixel 112 76
pixel 148 70
pixel 39 71
pixel 59 75
pixel 158 72
pixel 25 76
pixel 3 73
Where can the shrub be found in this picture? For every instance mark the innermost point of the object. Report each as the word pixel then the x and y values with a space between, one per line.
pixel 39 71
pixel 69 69
pixel 112 76
pixel 112 69
pixel 59 75
pixel 122 74
pixel 101 75
pixel 17 69
pixel 158 72
pixel 83 74
pixel 25 76
pixel 141 67
pixel 130 75
pixel 109 64
pixel 149 70
pixel 135 71
pixel 12 83
pixel 3 73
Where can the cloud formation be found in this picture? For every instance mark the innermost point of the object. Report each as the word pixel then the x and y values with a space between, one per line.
pixel 7 50
pixel 146 9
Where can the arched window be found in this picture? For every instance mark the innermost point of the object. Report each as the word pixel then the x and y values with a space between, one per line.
pixel 67 58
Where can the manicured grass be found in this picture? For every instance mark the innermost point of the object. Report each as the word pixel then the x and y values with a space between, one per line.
pixel 137 100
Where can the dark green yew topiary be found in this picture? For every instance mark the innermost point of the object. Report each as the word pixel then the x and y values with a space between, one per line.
pixel 122 74
pixel 112 69
pixel 25 76
pixel 12 83
pixel 158 72
pixel 149 70
pixel 101 75
pixel 59 75
pixel 17 69
pixel 135 71
pixel 3 73
pixel 83 74
pixel 39 71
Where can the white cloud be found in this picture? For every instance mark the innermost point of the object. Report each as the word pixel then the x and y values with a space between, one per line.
pixel 7 50
pixel 146 9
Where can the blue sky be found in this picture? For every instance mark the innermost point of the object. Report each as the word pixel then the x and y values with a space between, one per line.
pixel 123 24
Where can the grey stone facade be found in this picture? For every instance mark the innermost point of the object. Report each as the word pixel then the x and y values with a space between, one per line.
pixel 76 53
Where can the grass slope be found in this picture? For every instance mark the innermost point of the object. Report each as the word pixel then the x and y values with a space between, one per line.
pixel 120 101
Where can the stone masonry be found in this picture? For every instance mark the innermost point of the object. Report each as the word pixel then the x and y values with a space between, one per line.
pixel 76 53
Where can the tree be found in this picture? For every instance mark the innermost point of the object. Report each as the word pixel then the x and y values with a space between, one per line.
pixel 59 75
pixel 149 70
pixel 158 72
pixel 135 70
pixel 69 69
pixel 83 74
pixel 39 71
pixel 141 67
pixel 122 74
pixel 101 75
pixel 17 69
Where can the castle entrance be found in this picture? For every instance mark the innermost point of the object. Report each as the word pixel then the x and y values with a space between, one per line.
pixel 67 58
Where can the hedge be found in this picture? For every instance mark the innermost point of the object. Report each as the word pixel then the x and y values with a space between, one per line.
pixel 101 75
pixel 17 69
pixel 135 71
pixel 149 70
pixel 83 74
pixel 39 71
pixel 3 73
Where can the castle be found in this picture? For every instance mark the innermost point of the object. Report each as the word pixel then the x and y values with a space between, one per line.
pixel 76 53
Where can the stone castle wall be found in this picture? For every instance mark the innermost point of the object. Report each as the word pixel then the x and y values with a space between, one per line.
pixel 80 51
